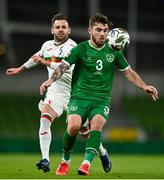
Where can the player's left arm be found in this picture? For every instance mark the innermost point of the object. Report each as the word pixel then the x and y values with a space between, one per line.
pixel 134 78
pixel 59 71
pixel 67 61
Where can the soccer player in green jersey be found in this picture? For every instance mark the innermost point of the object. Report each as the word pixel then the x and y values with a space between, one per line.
pixel 91 86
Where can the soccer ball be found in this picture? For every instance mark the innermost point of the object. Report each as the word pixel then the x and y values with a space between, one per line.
pixel 118 39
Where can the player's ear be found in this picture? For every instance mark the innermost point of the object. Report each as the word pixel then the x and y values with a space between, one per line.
pixel 69 31
pixel 52 31
pixel 89 30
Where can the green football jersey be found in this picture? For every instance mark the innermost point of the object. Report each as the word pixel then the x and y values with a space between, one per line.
pixel 94 70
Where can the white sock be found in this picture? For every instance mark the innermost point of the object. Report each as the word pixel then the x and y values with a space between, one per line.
pixel 45 135
pixel 102 150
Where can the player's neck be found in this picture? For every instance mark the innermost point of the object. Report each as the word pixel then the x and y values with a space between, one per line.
pixel 57 43
pixel 92 44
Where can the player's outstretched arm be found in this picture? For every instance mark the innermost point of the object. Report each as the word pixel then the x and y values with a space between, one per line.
pixel 14 71
pixel 27 65
pixel 134 78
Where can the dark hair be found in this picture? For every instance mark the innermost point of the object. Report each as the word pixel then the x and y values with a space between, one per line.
pixel 59 16
pixel 100 18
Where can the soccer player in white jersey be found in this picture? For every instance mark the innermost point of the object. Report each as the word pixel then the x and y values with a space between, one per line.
pixel 57 95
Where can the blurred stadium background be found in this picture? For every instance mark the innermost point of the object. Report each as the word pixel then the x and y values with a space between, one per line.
pixel 136 124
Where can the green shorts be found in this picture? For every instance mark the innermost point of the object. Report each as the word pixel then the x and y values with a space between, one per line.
pixel 88 109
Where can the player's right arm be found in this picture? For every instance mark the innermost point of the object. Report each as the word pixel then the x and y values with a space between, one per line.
pixel 14 71
pixel 29 64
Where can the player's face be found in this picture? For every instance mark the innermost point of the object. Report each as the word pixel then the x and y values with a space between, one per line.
pixel 98 34
pixel 60 30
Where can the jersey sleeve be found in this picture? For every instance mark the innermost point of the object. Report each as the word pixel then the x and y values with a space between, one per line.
pixel 41 51
pixel 121 62
pixel 30 63
pixel 72 56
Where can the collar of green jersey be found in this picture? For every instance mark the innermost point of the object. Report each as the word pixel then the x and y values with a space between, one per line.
pixel 99 49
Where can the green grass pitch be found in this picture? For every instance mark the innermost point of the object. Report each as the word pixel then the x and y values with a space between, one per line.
pixel 22 166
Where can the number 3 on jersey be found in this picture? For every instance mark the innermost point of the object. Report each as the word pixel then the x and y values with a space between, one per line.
pixel 99 65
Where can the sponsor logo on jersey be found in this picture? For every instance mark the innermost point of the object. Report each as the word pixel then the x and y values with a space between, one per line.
pixel 98 73
pixel 44 133
pixel 49 49
pixel 110 57
pixel 73 108
pixel 89 58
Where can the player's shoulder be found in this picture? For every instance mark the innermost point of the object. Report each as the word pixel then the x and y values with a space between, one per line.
pixel 70 42
pixel 48 43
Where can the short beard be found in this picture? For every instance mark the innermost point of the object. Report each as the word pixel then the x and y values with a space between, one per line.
pixel 60 40
pixel 97 44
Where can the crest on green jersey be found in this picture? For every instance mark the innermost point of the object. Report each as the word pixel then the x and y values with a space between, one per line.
pixel 110 57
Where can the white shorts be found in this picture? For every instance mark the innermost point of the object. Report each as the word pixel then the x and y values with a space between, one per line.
pixel 57 98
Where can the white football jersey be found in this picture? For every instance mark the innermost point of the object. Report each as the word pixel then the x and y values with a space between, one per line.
pixel 53 52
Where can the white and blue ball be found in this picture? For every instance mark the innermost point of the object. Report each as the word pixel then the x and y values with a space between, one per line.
pixel 118 39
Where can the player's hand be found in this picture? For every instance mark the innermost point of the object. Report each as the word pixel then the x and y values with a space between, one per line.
pixel 13 71
pixel 39 60
pixel 152 91
pixel 45 85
